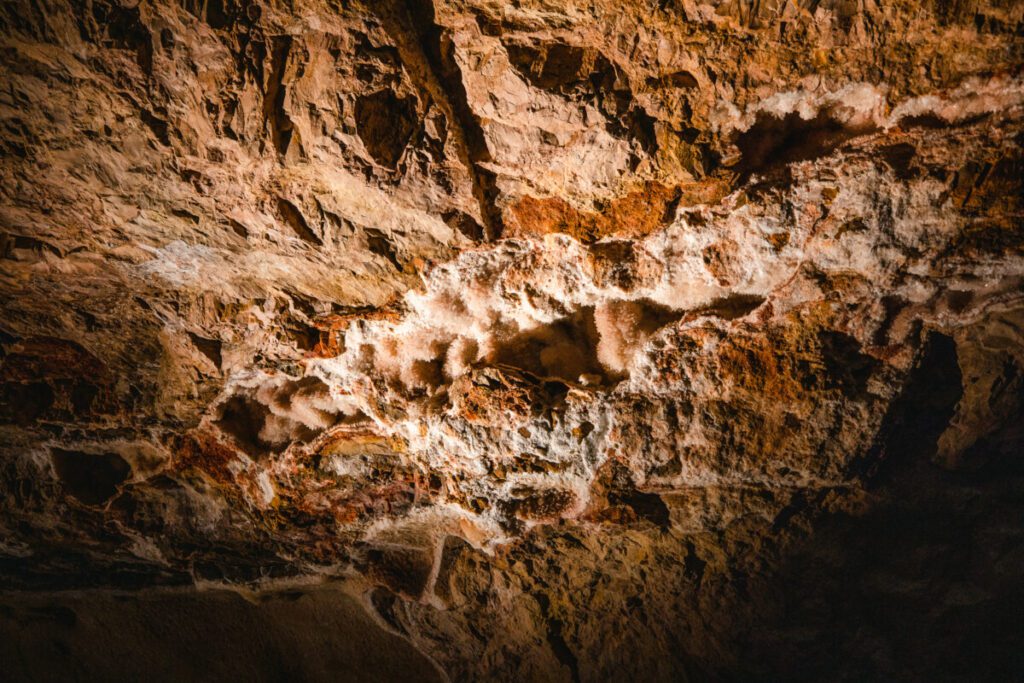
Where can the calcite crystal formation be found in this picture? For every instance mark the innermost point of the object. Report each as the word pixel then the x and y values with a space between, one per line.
pixel 583 341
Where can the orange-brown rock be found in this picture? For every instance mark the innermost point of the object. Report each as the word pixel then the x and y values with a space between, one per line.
pixel 633 215
pixel 545 340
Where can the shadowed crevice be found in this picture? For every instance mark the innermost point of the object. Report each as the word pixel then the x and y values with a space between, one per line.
pixel 439 50
pixel 911 428
pixel 92 479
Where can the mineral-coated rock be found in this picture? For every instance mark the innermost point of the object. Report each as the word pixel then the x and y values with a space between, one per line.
pixel 583 341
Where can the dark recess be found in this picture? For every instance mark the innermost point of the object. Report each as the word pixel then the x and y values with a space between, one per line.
pixel 438 48
pixel 385 124
pixel 92 479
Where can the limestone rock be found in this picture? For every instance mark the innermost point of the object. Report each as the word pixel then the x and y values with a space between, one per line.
pixel 580 340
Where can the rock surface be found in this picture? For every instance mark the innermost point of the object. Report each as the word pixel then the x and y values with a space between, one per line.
pixel 213 635
pixel 583 340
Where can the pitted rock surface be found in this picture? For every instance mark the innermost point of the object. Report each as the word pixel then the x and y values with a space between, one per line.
pixel 577 341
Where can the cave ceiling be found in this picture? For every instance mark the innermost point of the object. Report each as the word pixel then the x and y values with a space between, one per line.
pixel 568 340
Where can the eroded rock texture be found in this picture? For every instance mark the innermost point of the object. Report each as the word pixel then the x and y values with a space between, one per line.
pixel 582 341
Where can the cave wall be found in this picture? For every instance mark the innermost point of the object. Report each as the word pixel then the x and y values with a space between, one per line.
pixel 580 340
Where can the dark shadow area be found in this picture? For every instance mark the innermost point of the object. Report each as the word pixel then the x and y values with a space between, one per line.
pixel 732 306
pixel 568 348
pixel 319 634
pixel 245 418
pixel 924 586
pixel 848 368
pixel 92 479
pixel 294 219
pixel 565 349
pixel 385 124
pixel 24 403
pixel 439 52
pixel 242 417
pixel 915 420
pixel 772 142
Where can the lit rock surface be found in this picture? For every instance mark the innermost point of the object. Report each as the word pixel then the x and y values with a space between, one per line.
pixel 580 341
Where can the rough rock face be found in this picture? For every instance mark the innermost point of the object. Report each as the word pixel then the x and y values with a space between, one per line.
pixel 579 340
